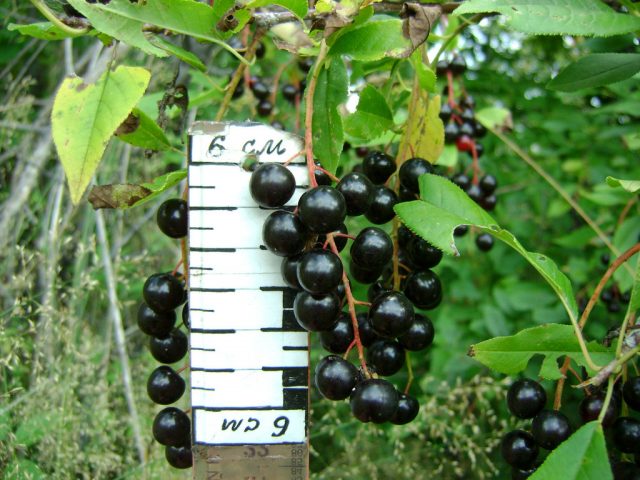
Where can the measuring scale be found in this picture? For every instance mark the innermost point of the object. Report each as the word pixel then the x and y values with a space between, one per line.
pixel 249 356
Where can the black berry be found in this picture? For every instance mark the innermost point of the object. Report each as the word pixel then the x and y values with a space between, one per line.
pixel 631 393
pixel 526 398
pixel 289 92
pixel 374 400
pixel 319 271
pixel 423 254
pixel 410 172
pixel 165 386
pixel 322 209
pixel 289 271
pixel 519 449
pixel 484 242
pixel 626 434
pixel 272 185
pixel 372 248
pixel 591 406
pixel 424 289
pixel 172 427
pixel 367 334
pixel 386 356
pixel 169 349
pixel 391 314
pixel 488 184
pixel 179 457
pixel 335 377
pixel 550 428
pixel 378 166
pixel 260 90
pixel 338 339
pixel 154 323
pixel 380 210
pixel 407 410
pixel 316 313
pixel 163 292
pixel 264 108
pixel 284 234
pixel 172 218
pixel 356 189
pixel 419 336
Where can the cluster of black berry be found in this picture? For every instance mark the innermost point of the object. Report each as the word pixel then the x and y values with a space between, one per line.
pixel 310 240
pixel 527 399
pixel 464 130
pixel 163 293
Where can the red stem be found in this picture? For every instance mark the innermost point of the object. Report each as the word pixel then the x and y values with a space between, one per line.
pixel 475 164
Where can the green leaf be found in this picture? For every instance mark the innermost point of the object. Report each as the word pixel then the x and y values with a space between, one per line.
pixel 589 18
pixel 426 76
pixel 634 302
pixel 448 157
pixel 378 38
pixel 125 20
pixel 328 134
pixel 632 186
pixel 583 456
pixel 34 428
pixel 143 132
pixel 444 206
pixel 85 116
pixel 511 355
pixel 45 31
pixel 596 70
pixel 23 469
pixel 495 118
pixel 161 184
pixel 297 7
pixel 184 55
pixel 372 117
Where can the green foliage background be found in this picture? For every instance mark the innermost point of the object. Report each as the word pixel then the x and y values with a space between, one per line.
pixel 62 408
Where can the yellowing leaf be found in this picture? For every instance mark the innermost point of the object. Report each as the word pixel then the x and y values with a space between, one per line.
pixel 85 116
pixel 425 131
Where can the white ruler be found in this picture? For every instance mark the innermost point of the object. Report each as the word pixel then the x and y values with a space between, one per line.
pixel 249 357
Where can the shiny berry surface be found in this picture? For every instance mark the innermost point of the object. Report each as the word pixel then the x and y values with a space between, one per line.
pixel 165 386
pixel 154 323
pixel 289 271
pixel 419 336
pixel 591 406
pixel 284 234
pixel 386 357
pixel 172 218
pixel 484 242
pixel 272 185
pixel 163 292
pixel 626 434
pixel 372 248
pixel 338 339
pixel 335 377
pixel 519 449
pixel 322 209
pixel 367 334
pixel 316 313
pixel 631 393
pixel 410 172
pixel 380 210
pixel 526 398
pixel 356 188
pixel 424 289
pixel 171 348
pixel 172 427
pixel 391 314
pixel 374 400
pixel 319 271
pixel 378 166
pixel 408 408
pixel 179 457
pixel 423 254
pixel 550 428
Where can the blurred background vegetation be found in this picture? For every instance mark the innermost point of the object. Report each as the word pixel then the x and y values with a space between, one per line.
pixel 63 408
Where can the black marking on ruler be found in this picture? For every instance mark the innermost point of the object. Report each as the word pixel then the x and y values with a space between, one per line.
pixel 261 407
pixel 201 310
pixel 212 331
pixel 303 444
pixel 191 209
pixel 288 348
pixel 288 296
pixel 204 388
pixel 204 187
pixel 215 290
pixel 216 370
pixel 295 398
pixel 191 162
pixel 201 268
pixel 189 152
pixel 221 250
pixel 201 228
pixel 289 322
pixel 262 247
pixel 287 208
pixel 203 349
pixel 295 377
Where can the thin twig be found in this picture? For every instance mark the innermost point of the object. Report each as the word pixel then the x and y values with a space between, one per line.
pixel 119 334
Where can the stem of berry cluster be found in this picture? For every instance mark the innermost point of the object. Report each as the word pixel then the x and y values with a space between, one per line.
pixel 185 259
pixel 351 302
pixel 451 95
pixel 617 263
pixel 410 377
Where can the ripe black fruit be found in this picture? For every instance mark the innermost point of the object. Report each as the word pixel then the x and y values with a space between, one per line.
pixel 372 248
pixel 163 292
pixel 550 428
pixel 272 185
pixel 631 393
pixel 484 242
pixel 374 400
pixel 289 271
pixel 423 254
pixel 165 386
pixel 169 349
pixel 321 176
pixel 424 289
pixel 380 210
pixel 419 336
pixel 289 92
pixel 410 172
pixel 316 313
pixel 488 184
pixel 591 406
pixel 391 314
pixel 339 240
pixel 179 457
pixel 375 290
pixel 264 108
pixel 462 180
pixel 451 132
pixel 626 434
pixel 284 234
pixel 154 323
pixel 489 202
pixel 526 398
pixel 319 271
pixel 522 474
pixel 356 189
pixel 407 410
pixel 260 90
pixel 322 209
pixel 172 427
pixel 378 166
pixel 335 377
pixel 338 339
pixel 185 316
pixel 172 218
pixel 367 335
pixel 386 356
pixel 364 275
pixel 519 449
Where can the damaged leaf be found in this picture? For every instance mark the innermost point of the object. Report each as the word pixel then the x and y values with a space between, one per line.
pixel 417 21
pixel 117 196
